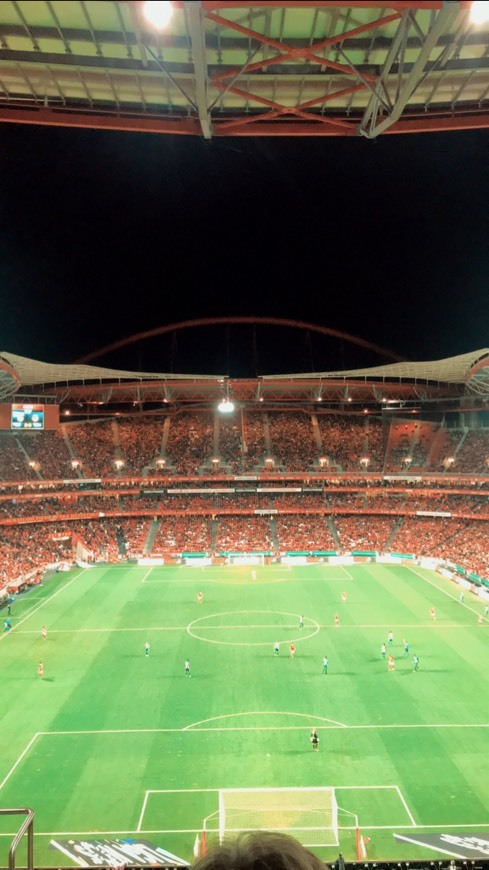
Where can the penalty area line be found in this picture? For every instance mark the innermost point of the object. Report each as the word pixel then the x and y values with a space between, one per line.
pixel 450 827
pixel 403 801
pixel 21 756
pixel 147 574
pixel 143 810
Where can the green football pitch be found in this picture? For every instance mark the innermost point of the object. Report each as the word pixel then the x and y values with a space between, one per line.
pixel 114 743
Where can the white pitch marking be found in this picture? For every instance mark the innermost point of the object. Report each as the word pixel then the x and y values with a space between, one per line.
pixel 45 601
pixel 346 572
pixel 191 729
pixel 403 801
pixel 355 787
pixel 444 591
pixel 180 790
pixel 21 756
pixel 429 627
pixel 261 713
pixel 147 573
pixel 458 827
pixel 314 625
pixel 143 810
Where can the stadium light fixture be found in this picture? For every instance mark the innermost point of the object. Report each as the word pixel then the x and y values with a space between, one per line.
pixel 158 13
pixel 226 406
pixel 479 12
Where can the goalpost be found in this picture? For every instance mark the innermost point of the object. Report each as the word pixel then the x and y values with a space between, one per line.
pixel 308 814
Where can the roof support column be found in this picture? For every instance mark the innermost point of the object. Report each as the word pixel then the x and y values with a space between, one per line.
pixel 195 16
pixel 414 78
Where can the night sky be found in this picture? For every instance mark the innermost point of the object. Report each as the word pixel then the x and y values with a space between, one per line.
pixel 106 234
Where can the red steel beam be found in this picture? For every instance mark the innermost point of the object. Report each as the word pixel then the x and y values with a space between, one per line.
pixel 281 111
pixel 399 5
pixel 427 123
pixel 98 121
pixel 286 53
pixel 310 128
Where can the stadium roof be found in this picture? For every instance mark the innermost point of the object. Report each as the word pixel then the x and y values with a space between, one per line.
pixel 280 67
pixel 446 379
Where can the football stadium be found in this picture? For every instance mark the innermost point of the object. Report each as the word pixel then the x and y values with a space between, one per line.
pixel 194 584
pixel 245 604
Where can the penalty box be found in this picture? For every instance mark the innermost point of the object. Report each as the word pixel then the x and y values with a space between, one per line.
pixel 110 780
pixel 373 805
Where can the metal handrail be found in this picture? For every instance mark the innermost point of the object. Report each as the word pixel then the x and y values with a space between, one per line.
pixel 27 825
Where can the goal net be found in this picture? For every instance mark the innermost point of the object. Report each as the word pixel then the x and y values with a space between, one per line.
pixel 308 814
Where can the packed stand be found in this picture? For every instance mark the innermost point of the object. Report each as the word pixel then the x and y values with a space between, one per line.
pixel 243 534
pixel 25 549
pixel 50 453
pixel 254 441
pixel 139 442
pixel 14 464
pixel 470 549
pixel 473 454
pixel 425 537
pixel 346 440
pixel 183 534
pixel 292 440
pixel 364 532
pixel 231 444
pixel 190 441
pixel 94 446
pixel 304 532
pixel 310 500
pixel 374 444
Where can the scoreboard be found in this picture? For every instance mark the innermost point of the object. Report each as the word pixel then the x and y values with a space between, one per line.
pixel 28 417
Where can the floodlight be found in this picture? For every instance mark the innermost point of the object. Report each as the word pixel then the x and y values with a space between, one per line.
pixel 479 12
pixel 225 407
pixel 158 12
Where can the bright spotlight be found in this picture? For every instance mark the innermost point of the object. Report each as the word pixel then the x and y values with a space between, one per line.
pixel 479 12
pixel 158 12
pixel 225 407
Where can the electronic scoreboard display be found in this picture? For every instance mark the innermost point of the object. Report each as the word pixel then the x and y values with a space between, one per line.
pixel 27 417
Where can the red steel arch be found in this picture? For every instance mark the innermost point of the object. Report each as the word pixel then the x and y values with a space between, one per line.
pixel 251 321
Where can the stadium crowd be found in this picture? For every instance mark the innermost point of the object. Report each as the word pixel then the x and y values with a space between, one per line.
pixel 341 513
pixel 197 443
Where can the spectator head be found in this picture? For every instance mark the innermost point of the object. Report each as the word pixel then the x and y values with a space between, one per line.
pixel 259 850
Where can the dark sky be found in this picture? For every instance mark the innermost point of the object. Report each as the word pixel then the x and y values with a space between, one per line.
pixel 105 234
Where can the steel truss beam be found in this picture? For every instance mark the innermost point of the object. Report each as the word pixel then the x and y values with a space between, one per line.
pixel 284 53
pixel 64 116
pixel 405 89
pixel 389 92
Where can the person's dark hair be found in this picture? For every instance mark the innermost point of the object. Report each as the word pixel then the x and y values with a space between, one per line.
pixel 259 850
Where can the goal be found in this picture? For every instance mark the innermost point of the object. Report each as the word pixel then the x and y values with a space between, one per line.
pixel 308 814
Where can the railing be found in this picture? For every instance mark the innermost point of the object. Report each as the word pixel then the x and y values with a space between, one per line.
pixel 27 825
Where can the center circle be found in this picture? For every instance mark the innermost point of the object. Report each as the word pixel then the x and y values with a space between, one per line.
pixel 311 628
